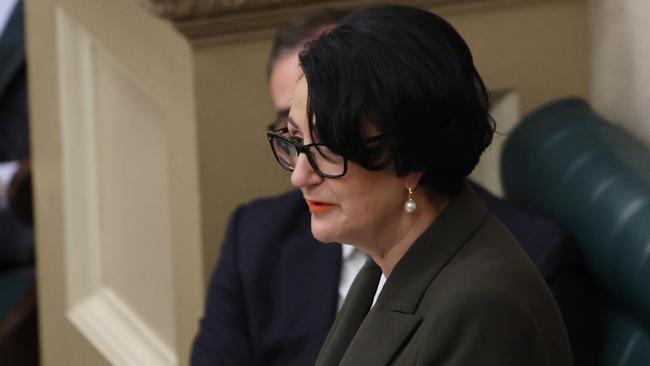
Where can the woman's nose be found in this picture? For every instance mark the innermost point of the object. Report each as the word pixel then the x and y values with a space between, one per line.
pixel 303 174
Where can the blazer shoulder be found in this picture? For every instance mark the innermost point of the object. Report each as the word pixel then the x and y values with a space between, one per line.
pixel 491 270
pixel 488 327
pixel 492 314
pixel 547 243
pixel 492 259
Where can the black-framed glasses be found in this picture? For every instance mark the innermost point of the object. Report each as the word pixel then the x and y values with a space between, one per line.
pixel 322 159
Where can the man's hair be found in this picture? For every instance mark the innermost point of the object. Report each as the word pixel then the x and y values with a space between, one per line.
pixel 298 32
pixel 410 75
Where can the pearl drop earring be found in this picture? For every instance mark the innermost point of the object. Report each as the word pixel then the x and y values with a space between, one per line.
pixel 409 205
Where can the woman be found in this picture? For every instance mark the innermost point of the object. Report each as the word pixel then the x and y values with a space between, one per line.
pixel 388 120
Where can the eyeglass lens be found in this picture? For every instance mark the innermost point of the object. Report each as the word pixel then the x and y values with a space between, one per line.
pixel 325 161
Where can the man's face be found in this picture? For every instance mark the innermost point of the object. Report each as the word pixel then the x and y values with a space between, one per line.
pixel 284 75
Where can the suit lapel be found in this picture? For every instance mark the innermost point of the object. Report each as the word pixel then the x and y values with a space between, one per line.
pixel 370 347
pixel 351 315
pixel 375 339
pixel 431 252
pixel 12 47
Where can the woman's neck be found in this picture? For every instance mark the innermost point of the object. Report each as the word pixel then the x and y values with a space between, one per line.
pixel 412 226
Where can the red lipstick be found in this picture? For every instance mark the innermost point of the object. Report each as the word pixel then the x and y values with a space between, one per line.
pixel 319 207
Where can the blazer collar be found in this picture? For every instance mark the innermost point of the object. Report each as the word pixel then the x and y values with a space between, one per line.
pixel 351 315
pixel 12 47
pixel 431 252
pixel 361 337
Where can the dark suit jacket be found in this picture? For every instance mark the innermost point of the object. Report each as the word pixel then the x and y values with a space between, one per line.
pixel 465 293
pixel 274 293
pixel 14 135
pixel 16 237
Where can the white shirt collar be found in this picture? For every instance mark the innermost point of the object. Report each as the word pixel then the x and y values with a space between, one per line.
pixel 352 260
pixel 380 286
pixel 348 250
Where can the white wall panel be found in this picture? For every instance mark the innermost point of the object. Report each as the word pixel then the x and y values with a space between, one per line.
pixel 116 203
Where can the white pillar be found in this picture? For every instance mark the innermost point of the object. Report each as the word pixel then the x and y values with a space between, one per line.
pixel 620 54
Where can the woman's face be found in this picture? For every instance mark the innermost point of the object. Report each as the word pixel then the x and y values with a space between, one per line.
pixel 363 207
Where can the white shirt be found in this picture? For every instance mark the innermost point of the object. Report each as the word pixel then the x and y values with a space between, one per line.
pixel 353 260
pixel 6 9
pixel 380 287
pixel 7 169
pixel 7 172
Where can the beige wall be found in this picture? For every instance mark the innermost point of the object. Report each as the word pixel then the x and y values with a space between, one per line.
pixel 233 108
pixel 541 49
pixel 620 43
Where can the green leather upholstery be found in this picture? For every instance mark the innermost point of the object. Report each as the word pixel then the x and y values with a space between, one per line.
pixel 568 163
pixel 625 342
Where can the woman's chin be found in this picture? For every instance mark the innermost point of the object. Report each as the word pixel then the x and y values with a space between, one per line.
pixel 322 231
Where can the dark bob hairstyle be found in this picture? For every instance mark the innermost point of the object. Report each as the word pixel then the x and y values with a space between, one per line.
pixel 410 75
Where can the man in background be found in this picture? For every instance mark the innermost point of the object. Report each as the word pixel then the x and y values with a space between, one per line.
pixel 16 237
pixel 18 314
pixel 275 291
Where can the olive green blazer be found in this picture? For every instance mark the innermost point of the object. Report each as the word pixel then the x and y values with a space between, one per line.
pixel 464 294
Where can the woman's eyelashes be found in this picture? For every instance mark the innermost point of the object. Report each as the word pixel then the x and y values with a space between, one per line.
pixel 293 136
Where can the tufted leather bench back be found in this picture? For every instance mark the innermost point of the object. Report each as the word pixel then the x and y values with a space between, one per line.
pixel 566 162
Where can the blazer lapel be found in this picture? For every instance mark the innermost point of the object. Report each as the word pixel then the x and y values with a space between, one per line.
pixel 354 310
pixel 377 339
pixel 380 337
pixel 431 252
